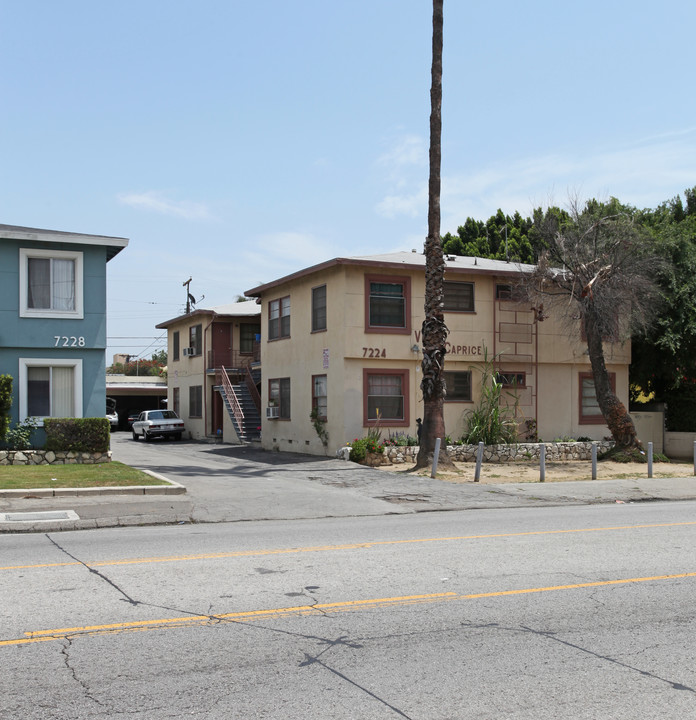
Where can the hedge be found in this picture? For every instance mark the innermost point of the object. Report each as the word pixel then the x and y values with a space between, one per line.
pixel 77 434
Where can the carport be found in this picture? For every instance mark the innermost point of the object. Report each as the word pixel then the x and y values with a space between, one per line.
pixel 134 394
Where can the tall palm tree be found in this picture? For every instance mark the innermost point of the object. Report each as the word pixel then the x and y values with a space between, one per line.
pixel 434 329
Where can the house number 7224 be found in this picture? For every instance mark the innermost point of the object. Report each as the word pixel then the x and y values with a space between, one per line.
pixel 72 341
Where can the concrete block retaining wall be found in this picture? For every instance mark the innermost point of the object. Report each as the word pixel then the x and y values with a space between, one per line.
pixel 523 452
pixel 49 457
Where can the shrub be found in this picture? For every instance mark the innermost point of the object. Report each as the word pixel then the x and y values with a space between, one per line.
pixel 397 439
pixel 361 446
pixel 19 437
pixel 491 422
pixel 5 403
pixel 77 434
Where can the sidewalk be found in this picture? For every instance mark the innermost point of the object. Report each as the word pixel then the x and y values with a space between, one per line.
pixel 290 489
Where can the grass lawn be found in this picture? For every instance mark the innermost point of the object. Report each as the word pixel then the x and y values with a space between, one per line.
pixel 20 477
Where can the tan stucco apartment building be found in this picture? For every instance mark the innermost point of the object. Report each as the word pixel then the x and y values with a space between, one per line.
pixel 344 336
pixel 212 363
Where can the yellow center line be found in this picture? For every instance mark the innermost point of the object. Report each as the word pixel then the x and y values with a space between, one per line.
pixel 35 636
pixel 331 548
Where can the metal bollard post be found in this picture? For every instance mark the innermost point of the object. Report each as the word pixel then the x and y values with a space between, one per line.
pixel 479 460
pixel 436 457
pixel 594 460
pixel 542 463
pixel 650 459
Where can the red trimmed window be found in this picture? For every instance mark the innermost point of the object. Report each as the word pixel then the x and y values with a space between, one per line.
pixel 387 304
pixel 590 414
pixel 385 397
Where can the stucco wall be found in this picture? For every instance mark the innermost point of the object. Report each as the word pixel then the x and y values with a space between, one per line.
pixel 543 350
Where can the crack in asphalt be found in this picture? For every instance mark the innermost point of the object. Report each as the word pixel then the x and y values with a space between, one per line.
pixel 65 652
pixel 549 635
pixel 100 575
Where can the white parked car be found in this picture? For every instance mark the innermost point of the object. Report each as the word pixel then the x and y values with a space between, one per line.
pixel 111 414
pixel 158 423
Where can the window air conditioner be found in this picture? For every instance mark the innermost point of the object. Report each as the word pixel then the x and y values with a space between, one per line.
pixel 272 412
pixel 188 351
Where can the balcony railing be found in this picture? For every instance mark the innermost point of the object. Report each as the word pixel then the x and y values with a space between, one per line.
pixel 233 359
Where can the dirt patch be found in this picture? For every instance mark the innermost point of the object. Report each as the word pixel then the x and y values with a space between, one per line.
pixel 495 473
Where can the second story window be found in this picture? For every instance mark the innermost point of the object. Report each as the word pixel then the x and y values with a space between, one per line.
pixel 50 283
pixel 279 318
pixel 248 335
pixel 175 345
pixel 458 296
pixel 388 304
pixel 196 339
pixel 319 308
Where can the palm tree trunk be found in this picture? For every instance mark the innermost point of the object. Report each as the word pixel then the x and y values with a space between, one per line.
pixel 434 331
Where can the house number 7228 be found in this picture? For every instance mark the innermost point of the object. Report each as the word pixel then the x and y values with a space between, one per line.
pixel 72 341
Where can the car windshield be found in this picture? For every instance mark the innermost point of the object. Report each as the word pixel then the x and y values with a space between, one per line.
pixel 162 415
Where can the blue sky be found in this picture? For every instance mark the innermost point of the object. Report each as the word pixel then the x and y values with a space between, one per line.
pixel 236 142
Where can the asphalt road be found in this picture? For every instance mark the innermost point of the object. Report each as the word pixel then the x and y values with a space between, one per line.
pixel 563 612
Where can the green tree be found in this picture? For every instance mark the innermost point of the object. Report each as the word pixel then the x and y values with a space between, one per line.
pixel 664 358
pixel 160 357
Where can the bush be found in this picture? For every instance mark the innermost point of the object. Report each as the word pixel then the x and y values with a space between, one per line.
pixel 492 422
pixel 5 403
pixel 19 437
pixel 77 434
pixel 361 446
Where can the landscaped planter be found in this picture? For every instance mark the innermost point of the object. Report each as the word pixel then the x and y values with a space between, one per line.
pixel 49 457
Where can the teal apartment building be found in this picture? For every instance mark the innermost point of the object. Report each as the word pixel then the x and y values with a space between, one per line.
pixel 53 321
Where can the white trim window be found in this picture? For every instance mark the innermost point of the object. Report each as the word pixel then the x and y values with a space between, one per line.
pixel 49 388
pixel 50 283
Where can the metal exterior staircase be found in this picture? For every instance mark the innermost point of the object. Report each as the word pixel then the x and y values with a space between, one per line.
pixel 241 407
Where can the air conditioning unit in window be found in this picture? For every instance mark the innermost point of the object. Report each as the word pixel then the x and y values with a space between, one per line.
pixel 188 352
pixel 272 413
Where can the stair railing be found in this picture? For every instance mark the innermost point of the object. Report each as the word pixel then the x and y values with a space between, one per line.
pixel 253 390
pixel 233 401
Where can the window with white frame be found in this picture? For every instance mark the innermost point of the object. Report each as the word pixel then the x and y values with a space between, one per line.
pixel 50 283
pixel 50 388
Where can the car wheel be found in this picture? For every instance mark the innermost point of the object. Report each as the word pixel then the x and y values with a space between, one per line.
pixel 146 436
pixel 135 437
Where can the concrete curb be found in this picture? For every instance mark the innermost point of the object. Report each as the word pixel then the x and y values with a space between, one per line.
pixel 172 488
